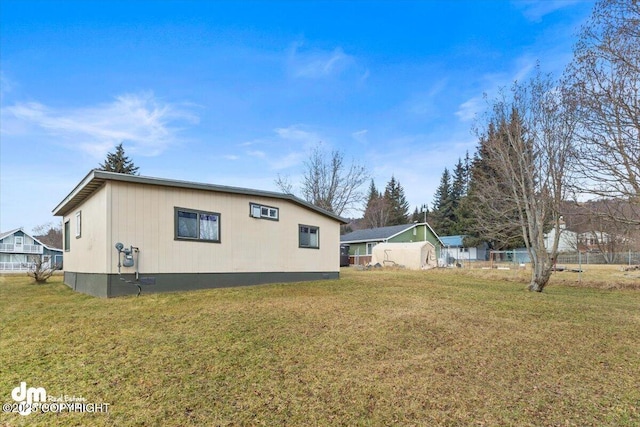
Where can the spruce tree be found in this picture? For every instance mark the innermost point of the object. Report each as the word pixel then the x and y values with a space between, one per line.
pixel 442 216
pixel 118 162
pixel 421 214
pixel 458 185
pixel 372 195
pixel 398 205
pixel 415 217
pixel 376 213
pixel 483 174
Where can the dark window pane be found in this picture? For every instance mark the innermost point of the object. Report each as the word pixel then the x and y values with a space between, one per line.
pixel 188 224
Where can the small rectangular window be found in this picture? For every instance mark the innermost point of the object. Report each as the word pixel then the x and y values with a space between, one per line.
pixel 370 248
pixel 197 225
pixel 67 236
pixel 309 236
pixel 78 224
pixel 266 212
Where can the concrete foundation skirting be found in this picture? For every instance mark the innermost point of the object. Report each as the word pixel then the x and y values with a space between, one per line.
pixel 114 285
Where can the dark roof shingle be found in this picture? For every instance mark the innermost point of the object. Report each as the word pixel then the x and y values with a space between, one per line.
pixel 379 233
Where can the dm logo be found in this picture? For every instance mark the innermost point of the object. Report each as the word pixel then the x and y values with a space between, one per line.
pixel 28 396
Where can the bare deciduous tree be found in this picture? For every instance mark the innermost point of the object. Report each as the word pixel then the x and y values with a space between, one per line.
pixel 526 148
pixel 40 270
pixel 377 213
pixel 328 182
pixel 50 234
pixel 597 230
pixel 604 82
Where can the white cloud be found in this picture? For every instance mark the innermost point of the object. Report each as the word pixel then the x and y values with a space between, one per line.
pixel 535 10
pixel 418 169
pixel 286 148
pixel 360 136
pixel 298 134
pixel 287 161
pixel 427 102
pixel 493 83
pixel 470 109
pixel 290 147
pixel 6 85
pixel 317 64
pixel 141 121
pixel 257 153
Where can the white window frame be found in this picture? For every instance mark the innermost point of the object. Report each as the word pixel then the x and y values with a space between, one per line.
pixel 257 210
pixel 370 246
pixel 78 224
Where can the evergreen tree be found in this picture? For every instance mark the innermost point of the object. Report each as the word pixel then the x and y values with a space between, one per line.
pixel 415 217
pixel 398 205
pixel 118 162
pixel 443 215
pixel 458 189
pixel 420 215
pixel 373 194
pixel 484 174
pixel 376 213
pixel 458 186
pixel 459 196
pixel 467 172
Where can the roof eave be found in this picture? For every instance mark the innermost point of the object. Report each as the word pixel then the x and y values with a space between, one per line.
pixel 363 240
pixel 96 178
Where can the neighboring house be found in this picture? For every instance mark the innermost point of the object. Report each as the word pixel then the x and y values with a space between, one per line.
pixel 568 241
pixel 19 250
pixel 361 242
pixel 454 251
pixel 178 235
pixel 595 240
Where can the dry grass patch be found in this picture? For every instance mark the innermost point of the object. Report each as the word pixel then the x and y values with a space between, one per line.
pixel 373 348
pixel 600 276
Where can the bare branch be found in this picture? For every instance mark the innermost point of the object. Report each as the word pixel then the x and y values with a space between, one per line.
pixel 519 180
pixel 329 183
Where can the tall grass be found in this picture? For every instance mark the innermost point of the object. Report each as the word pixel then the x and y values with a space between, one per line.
pixel 373 348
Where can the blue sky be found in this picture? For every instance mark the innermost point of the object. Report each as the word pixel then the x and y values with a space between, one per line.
pixel 235 93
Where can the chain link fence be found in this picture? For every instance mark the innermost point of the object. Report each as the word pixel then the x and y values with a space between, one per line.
pixel 520 259
pixel 594 258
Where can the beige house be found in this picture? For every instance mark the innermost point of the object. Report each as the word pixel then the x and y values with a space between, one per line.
pixel 125 233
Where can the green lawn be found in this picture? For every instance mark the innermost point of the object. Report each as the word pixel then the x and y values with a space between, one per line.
pixel 373 348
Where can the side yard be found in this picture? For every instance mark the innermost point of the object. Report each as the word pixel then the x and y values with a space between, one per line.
pixel 373 348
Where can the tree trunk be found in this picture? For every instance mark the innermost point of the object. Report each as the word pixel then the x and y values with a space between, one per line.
pixel 541 267
pixel 539 280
